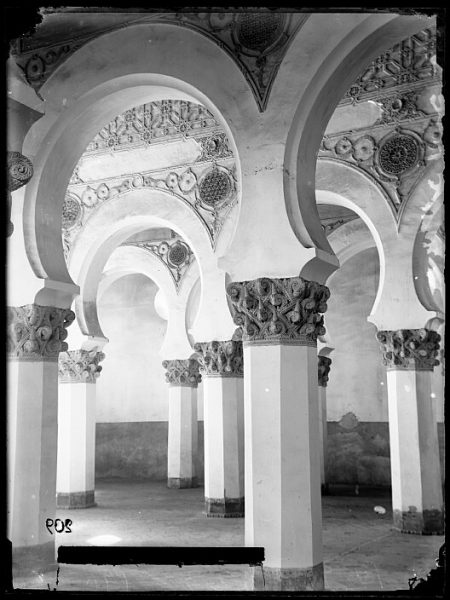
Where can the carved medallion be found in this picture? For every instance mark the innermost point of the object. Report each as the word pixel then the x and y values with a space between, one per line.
pixel 215 187
pixel 19 170
pixel 71 213
pixel 398 154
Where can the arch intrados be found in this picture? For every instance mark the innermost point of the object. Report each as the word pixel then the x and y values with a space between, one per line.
pixel 66 141
pixel 328 197
pixel 114 221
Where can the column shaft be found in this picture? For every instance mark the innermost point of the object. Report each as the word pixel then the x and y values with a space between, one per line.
pixel 76 445
pixel 224 446
pixel 322 397
pixel 417 502
pixel 32 452
pixel 183 437
pixel 282 465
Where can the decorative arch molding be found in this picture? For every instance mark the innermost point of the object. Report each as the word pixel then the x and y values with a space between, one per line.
pixel 367 37
pixel 78 106
pixel 256 42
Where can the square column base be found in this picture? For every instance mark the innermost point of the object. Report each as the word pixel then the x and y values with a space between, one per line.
pixel 27 561
pixel 182 482
pixel 76 500
pixel 224 507
pixel 277 579
pixel 428 522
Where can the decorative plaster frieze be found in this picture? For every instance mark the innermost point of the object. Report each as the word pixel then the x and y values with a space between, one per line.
pixel 324 364
pixel 79 366
pixel 159 121
pixel 209 190
pixel 395 157
pixel 220 359
pixel 174 253
pixel 279 310
pixel 409 348
pixel 184 373
pixel 399 107
pixel 37 332
pixel 407 63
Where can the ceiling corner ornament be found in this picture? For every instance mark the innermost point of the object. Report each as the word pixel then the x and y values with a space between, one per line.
pixel 176 255
pixel 257 42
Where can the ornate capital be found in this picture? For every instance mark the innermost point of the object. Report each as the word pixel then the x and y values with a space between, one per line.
pixel 182 372
pixel 409 348
pixel 324 364
pixel 220 359
pixel 279 310
pixel 20 170
pixel 37 332
pixel 79 366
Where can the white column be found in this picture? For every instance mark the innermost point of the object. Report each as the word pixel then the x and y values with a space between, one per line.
pixel 417 501
pixel 183 378
pixel 324 364
pixel 75 481
pixel 282 431
pixel 35 337
pixel 221 364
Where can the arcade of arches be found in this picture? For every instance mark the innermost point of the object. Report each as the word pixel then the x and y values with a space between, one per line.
pixel 225 269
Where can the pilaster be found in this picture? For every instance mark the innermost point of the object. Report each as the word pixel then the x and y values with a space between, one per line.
pixel 323 370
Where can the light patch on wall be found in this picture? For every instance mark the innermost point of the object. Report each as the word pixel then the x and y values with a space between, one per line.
pixel 104 540
pixel 348 117
pixel 407 388
pixel 432 395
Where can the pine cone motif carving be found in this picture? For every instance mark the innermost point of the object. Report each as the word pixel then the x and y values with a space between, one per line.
pixel 279 310
pixel 324 364
pixel 20 170
pixel 182 372
pixel 79 366
pixel 410 348
pixel 37 332
pixel 221 359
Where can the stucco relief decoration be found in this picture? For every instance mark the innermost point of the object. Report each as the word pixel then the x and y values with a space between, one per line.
pixel 323 370
pixel 220 359
pixel 184 373
pixel 409 62
pixel 37 332
pixel 19 172
pixel 279 310
pixel 208 185
pixel 257 41
pixel 79 366
pixel 174 253
pixel 409 348
pixel 394 157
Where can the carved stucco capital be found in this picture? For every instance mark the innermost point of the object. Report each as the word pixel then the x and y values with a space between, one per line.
pixel 37 332
pixel 19 173
pixel 220 359
pixel 279 310
pixel 79 366
pixel 324 364
pixel 409 348
pixel 184 373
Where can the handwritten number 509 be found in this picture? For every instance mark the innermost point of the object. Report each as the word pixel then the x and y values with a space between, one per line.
pixel 58 525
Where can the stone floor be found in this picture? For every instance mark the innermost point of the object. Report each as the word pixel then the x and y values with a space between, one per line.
pixel 361 550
